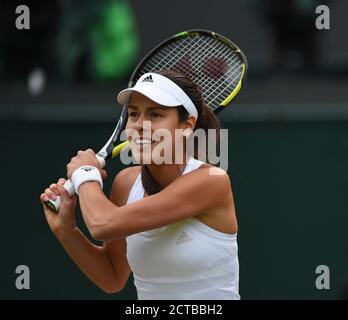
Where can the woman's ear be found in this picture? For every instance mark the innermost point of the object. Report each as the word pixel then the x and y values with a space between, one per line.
pixel 190 122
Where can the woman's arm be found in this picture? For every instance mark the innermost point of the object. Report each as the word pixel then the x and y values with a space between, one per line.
pixel 196 192
pixel 92 260
pixel 106 266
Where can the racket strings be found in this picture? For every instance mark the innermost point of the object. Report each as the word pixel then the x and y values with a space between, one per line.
pixel 233 75
pixel 212 65
pixel 193 65
pixel 181 51
pixel 169 56
pixel 203 53
pixel 219 74
pixel 177 52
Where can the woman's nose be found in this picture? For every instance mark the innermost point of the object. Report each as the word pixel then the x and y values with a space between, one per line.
pixel 140 125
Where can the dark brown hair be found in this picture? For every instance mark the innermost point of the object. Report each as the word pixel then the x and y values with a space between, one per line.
pixel 206 120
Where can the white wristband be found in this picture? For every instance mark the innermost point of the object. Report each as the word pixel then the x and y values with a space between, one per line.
pixel 85 174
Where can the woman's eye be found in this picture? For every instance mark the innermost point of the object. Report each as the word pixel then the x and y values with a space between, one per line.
pixel 155 114
pixel 132 114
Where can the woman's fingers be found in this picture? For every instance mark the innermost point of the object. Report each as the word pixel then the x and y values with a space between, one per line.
pixel 53 187
pixel 64 193
pixel 52 191
pixel 50 216
pixel 50 194
pixel 103 174
pixel 61 181
pixel 44 197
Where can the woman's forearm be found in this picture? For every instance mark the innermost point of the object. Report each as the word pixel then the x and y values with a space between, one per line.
pixel 92 260
pixel 97 210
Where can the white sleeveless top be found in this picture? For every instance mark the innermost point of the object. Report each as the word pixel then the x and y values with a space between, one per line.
pixel 185 260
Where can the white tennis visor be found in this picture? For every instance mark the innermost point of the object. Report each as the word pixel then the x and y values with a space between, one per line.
pixel 160 90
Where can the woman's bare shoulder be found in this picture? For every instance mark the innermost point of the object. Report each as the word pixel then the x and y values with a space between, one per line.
pixel 122 185
pixel 207 169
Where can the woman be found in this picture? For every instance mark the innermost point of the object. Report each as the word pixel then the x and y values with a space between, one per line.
pixel 173 225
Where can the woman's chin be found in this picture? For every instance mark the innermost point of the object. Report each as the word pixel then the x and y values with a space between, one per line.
pixel 142 155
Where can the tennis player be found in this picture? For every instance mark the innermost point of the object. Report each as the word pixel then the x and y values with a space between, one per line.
pixel 173 225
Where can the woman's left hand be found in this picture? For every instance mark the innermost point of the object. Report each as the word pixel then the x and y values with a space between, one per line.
pixel 84 158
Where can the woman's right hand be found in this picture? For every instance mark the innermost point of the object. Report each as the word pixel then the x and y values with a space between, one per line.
pixel 64 220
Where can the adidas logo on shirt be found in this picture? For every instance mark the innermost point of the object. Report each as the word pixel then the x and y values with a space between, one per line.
pixel 148 79
pixel 183 237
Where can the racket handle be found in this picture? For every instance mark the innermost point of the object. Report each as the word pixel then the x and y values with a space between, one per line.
pixel 54 205
pixel 101 160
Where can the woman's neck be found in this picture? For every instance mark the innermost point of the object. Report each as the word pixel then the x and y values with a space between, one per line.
pixel 165 174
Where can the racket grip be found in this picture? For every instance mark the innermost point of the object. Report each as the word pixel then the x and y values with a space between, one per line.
pixel 101 160
pixel 54 205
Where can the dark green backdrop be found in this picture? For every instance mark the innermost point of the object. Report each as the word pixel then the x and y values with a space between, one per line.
pixel 289 182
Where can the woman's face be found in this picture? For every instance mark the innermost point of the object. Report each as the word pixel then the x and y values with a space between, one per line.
pixel 151 129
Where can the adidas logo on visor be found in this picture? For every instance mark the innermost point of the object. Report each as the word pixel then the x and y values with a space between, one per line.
pixel 148 79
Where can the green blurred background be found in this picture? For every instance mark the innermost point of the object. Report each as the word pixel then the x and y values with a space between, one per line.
pixel 288 132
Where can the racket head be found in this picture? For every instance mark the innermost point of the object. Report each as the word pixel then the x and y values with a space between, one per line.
pixel 213 62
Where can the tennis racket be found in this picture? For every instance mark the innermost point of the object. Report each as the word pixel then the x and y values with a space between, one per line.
pixel 212 61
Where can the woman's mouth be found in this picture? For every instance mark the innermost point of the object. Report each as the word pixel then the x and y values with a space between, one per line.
pixel 143 141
